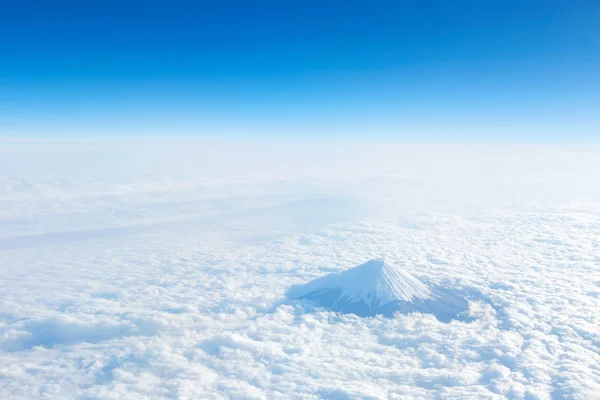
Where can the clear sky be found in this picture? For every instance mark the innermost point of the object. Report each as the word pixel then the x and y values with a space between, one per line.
pixel 398 70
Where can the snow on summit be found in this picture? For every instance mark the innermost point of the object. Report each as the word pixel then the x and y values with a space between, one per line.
pixel 376 282
pixel 379 287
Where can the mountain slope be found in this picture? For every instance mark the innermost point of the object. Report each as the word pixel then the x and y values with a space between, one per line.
pixel 378 287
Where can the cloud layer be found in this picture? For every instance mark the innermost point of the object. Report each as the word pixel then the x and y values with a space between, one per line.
pixel 169 280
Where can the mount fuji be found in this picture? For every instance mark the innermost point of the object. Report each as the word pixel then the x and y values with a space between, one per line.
pixel 378 287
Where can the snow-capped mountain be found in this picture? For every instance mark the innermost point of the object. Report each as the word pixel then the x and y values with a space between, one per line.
pixel 378 287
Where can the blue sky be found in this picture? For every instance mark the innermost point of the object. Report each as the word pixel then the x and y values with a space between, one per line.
pixel 401 70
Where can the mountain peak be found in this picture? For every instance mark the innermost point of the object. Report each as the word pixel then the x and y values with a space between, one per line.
pixel 377 287
pixel 379 282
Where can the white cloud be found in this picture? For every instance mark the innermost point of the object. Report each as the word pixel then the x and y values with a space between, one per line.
pixel 132 270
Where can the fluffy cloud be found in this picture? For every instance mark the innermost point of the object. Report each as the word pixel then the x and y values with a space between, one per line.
pixel 132 278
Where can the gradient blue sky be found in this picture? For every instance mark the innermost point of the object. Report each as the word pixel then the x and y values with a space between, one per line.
pixel 396 70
